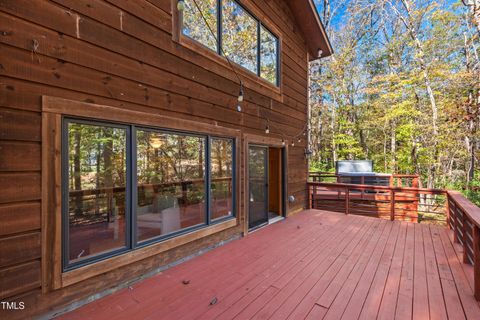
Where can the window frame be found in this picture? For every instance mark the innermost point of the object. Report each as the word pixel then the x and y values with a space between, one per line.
pixel 66 264
pixel 277 60
pixel 160 238
pixel 260 24
pixel 131 189
pixel 234 180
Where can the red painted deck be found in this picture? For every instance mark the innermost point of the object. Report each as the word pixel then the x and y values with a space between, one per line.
pixel 315 265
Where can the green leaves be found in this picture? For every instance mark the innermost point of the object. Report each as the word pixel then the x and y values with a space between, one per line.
pixel 370 100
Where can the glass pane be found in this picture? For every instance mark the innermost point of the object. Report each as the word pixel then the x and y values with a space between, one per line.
pixel 239 35
pixel 221 178
pixel 97 181
pixel 268 55
pixel 171 183
pixel 257 165
pixel 194 25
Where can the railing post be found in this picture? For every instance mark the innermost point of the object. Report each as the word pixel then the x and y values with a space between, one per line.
pixel 465 238
pixel 347 200
pixel 415 182
pixel 362 182
pixel 447 208
pixel 476 261
pixel 454 219
pixel 392 205
pixel 310 196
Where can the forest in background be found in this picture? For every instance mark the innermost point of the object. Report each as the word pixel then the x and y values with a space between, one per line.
pixel 401 89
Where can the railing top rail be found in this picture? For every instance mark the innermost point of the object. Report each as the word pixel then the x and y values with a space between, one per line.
pixel 379 188
pixel 333 174
pixel 405 175
pixel 470 209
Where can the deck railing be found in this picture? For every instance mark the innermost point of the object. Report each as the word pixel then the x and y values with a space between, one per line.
pixel 404 203
pixel 392 180
pixel 464 221
pixel 420 205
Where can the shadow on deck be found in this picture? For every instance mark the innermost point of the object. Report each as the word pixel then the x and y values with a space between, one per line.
pixel 314 265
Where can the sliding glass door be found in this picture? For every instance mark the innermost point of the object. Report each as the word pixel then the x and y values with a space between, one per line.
pixel 258 186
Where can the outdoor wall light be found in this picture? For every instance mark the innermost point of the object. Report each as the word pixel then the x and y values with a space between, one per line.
pixel 308 153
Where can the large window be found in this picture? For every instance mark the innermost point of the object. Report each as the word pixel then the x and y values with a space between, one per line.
pixel 126 187
pixel 226 27
pixel 170 183
pixel 97 202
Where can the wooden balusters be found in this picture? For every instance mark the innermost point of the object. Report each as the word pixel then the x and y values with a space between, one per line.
pixel 347 200
pixel 311 188
pixel 392 205
pixel 476 261
pixel 464 218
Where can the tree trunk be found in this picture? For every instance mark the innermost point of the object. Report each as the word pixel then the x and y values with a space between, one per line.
pixel 77 174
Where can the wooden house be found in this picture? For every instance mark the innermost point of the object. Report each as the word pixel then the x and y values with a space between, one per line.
pixel 137 134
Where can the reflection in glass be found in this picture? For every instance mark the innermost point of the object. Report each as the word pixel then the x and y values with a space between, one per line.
pixel 268 55
pixel 221 177
pixel 258 192
pixel 171 183
pixel 96 197
pixel 239 35
pixel 194 25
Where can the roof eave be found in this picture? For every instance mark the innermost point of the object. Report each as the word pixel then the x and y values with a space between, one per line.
pixel 312 28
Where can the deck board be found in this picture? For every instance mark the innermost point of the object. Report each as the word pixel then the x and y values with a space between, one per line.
pixel 314 265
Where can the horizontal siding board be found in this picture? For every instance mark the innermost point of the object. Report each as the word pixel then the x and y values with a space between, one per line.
pixel 77 78
pixel 19 125
pixel 19 279
pixel 66 48
pixel 91 8
pixel 147 12
pixel 156 48
pixel 18 187
pixel 165 5
pixel 22 217
pixel 44 14
pixel 28 96
pixel 19 156
pixel 18 249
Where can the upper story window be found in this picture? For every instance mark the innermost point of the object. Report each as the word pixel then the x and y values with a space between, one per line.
pixel 201 26
pixel 227 28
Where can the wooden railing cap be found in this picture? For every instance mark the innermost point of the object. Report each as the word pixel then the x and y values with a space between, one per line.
pixel 469 208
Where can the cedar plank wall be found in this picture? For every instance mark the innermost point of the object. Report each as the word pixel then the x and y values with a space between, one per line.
pixel 118 53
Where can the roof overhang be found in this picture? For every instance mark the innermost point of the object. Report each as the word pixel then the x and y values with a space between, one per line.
pixel 311 26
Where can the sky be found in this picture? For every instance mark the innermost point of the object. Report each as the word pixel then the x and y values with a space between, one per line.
pixel 340 14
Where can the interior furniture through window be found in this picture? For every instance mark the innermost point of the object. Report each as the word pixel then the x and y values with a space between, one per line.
pixel 126 187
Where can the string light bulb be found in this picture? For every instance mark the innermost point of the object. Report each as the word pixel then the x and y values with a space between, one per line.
pixel 293 143
pixel 283 142
pixel 240 94
pixel 239 108
pixel 267 128
pixel 181 5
